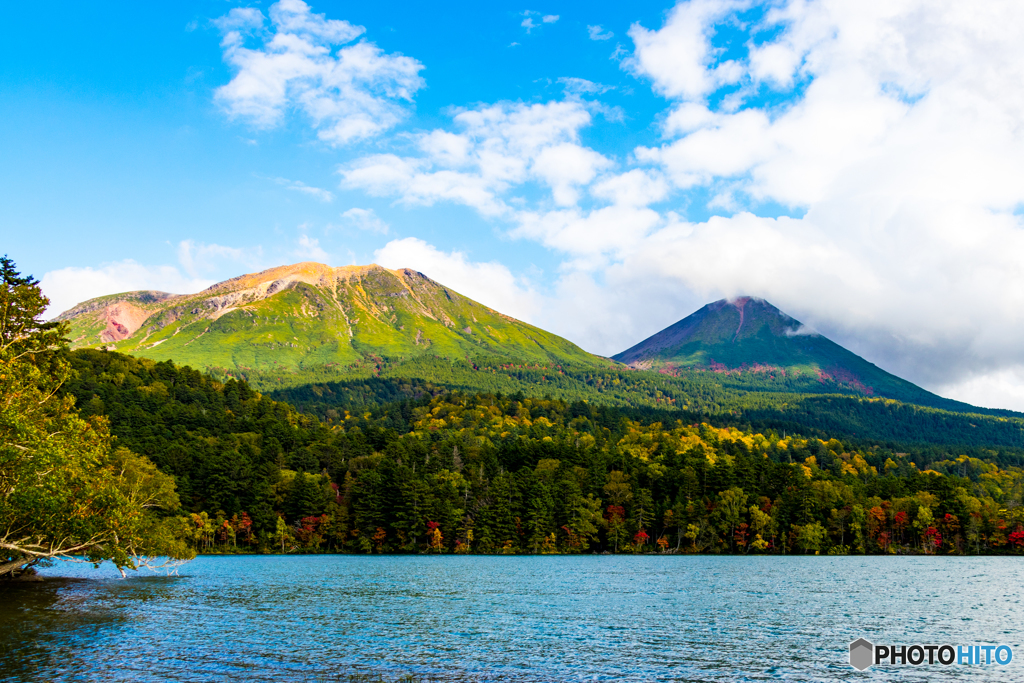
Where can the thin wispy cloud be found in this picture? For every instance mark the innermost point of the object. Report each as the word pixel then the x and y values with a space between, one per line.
pixel 366 219
pixel 309 249
pixel 581 86
pixel 529 24
pixel 199 258
pixel 299 186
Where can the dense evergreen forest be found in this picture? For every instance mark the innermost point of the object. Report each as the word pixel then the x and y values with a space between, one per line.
pixel 439 471
pixel 753 399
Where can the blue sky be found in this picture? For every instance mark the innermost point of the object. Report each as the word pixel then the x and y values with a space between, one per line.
pixel 113 140
pixel 599 169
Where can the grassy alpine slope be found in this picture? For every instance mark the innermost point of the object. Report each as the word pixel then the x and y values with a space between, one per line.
pixel 287 325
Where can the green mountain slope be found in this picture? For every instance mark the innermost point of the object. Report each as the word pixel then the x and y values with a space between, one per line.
pixel 331 339
pixel 751 343
pixel 289 324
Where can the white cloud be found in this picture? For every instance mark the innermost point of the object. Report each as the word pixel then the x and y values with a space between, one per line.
pixel 598 33
pixel 588 236
pixel 197 258
pixel 1003 388
pixel 565 167
pixel 68 287
pixel 679 57
pixel 529 24
pixel 489 283
pixel 349 93
pixel 366 219
pixel 891 132
pixel 240 20
pixel 309 250
pixel 901 153
pixel 497 147
pixel 632 188
pixel 299 186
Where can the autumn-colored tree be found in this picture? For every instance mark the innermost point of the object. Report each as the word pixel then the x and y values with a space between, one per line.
pixel 899 523
pixel 931 539
pixel 434 537
pixel 378 539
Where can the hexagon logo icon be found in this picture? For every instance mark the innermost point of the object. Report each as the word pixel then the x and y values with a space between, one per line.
pixel 861 654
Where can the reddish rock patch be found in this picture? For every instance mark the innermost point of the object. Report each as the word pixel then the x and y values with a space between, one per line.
pixel 123 319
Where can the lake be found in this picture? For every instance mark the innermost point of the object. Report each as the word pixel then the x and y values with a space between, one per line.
pixel 546 618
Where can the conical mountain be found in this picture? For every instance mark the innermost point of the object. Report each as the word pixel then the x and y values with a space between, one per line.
pixel 749 336
pixel 309 316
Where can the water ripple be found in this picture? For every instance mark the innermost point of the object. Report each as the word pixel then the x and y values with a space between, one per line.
pixel 523 619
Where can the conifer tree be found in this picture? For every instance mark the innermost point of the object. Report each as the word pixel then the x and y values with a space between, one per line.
pixel 65 491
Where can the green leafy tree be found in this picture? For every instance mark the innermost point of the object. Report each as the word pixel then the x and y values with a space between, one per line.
pixel 731 503
pixel 810 537
pixel 65 491
pixel 585 521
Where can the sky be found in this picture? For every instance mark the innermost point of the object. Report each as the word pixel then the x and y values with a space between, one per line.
pixel 598 169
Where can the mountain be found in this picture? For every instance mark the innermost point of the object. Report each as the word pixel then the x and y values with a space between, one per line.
pixel 338 340
pixel 749 338
pixel 309 318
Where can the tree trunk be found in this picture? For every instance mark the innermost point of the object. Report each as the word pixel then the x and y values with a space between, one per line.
pixel 14 565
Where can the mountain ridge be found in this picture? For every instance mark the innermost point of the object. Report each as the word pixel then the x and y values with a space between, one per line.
pixel 750 334
pixel 309 315
pixel 309 324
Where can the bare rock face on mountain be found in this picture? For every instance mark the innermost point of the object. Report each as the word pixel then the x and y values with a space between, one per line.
pixel 750 336
pixel 309 316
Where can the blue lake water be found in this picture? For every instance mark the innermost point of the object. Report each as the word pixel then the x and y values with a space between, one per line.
pixel 550 618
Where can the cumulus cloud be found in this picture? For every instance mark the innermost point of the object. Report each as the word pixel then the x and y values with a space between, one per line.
pixel 349 93
pixel 366 219
pixel 489 283
pixel 898 151
pixel 495 148
pixel 598 33
pixel 68 287
pixel 867 158
pixel 679 58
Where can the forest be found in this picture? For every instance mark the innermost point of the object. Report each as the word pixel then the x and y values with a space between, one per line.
pixel 435 470
pixel 750 399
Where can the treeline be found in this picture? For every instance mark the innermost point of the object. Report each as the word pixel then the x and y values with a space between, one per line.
pixel 498 473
